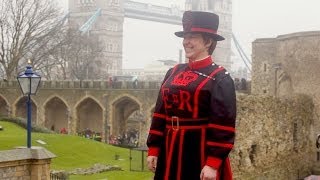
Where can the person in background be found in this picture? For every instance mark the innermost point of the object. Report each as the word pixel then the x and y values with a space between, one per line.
pixel 193 126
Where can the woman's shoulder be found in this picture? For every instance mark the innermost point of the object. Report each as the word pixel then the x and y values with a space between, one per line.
pixel 222 74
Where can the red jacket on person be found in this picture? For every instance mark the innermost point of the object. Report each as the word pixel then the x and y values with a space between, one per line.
pixel 193 124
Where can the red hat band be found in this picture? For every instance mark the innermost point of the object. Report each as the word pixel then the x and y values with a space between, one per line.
pixel 197 29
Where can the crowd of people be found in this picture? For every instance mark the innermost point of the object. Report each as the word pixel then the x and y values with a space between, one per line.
pixel 128 139
pixel 87 133
pixel 115 82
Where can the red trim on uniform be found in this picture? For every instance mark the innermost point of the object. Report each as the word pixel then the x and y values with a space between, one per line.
pixel 200 63
pixel 163 116
pixel 227 172
pixel 213 31
pixel 159 133
pixel 213 162
pixel 169 158
pixel 185 127
pixel 167 142
pixel 225 145
pixel 196 94
pixel 153 151
pixel 180 154
pixel 226 128
pixel 203 141
pixel 173 70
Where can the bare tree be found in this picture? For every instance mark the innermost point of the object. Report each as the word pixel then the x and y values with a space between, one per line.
pixel 27 31
pixel 78 56
pixel 84 61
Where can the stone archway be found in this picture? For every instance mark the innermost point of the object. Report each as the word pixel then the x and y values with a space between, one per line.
pixel 4 107
pixel 56 114
pixel 122 109
pixel 21 109
pixel 89 116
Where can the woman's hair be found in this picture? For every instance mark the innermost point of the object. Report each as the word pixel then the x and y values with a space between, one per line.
pixel 208 39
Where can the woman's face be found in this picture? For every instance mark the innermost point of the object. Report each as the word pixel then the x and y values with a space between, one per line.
pixel 194 46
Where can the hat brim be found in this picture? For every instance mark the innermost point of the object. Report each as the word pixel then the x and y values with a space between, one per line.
pixel 215 37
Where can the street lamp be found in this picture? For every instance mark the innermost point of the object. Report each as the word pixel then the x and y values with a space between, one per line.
pixel 28 82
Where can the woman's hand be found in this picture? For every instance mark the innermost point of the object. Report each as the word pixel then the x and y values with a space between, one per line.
pixel 208 173
pixel 152 163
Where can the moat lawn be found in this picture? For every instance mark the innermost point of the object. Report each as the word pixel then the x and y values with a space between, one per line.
pixel 75 152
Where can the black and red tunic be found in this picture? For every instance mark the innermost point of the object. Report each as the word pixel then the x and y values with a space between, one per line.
pixel 193 124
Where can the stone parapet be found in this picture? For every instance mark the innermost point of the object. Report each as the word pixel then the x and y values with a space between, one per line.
pixel 88 85
pixel 26 164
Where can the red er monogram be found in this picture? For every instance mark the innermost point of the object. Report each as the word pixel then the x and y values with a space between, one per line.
pixel 180 99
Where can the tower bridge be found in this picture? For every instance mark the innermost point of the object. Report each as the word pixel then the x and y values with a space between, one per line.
pixel 108 26
pixel 77 106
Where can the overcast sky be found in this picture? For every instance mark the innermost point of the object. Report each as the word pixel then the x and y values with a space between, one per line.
pixel 145 41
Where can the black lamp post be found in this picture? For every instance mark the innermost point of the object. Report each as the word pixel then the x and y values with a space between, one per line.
pixel 29 83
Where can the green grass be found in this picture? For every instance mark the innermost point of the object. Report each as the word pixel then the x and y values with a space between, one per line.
pixel 76 152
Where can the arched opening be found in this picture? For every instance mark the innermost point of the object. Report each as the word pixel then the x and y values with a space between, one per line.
pixel 56 115
pixel 90 118
pixel 21 109
pixel 284 85
pixel 4 107
pixel 126 121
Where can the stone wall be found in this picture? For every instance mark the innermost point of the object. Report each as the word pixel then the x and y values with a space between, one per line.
pixel 288 65
pixel 273 139
pixel 25 164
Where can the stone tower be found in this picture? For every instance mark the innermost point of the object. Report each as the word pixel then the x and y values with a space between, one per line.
pixel 222 54
pixel 108 27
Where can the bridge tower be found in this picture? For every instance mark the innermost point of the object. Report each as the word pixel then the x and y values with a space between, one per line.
pixel 222 54
pixel 107 27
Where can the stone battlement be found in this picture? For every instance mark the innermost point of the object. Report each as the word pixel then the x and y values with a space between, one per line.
pixel 88 85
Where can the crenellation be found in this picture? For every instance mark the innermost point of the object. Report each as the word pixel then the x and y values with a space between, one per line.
pixel 88 84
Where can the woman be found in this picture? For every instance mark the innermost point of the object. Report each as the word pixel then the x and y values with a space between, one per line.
pixel 193 125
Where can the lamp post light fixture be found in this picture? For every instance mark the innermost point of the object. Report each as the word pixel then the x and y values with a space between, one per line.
pixel 29 82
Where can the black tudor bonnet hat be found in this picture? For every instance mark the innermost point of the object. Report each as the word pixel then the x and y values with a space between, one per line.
pixel 201 22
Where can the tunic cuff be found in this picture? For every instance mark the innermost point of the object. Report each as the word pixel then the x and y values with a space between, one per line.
pixel 153 151
pixel 214 162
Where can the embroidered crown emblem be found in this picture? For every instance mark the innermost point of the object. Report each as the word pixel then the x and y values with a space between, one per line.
pixel 184 78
